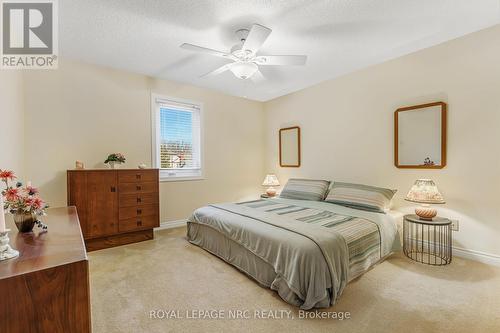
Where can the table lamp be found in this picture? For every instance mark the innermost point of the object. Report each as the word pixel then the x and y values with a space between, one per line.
pixel 271 180
pixel 425 191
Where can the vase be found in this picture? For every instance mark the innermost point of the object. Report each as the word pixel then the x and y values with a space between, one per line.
pixel 114 164
pixel 24 221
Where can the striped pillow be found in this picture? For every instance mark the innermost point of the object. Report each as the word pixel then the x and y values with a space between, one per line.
pixel 359 196
pixel 305 189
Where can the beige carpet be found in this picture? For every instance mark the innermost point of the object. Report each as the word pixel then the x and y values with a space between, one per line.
pixel 398 295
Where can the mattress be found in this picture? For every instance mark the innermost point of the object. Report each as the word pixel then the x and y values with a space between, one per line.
pixel 306 251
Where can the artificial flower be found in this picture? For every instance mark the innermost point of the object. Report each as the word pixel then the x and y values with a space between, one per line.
pixel 115 157
pixel 29 202
pixel 21 199
pixel 12 194
pixel 38 204
pixel 7 175
pixel 31 190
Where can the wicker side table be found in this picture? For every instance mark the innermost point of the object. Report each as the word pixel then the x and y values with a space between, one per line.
pixel 427 242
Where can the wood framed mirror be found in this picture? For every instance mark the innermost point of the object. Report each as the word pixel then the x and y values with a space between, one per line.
pixel 289 146
pixel 420 136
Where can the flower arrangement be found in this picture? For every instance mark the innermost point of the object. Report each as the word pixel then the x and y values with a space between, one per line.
pixel 115 157
pixel 22 200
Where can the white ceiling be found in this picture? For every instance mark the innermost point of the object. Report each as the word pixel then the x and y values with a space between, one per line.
pixel 338 36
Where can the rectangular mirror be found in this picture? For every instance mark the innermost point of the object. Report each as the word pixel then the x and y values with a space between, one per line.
pixel 289 143
pixel 420 136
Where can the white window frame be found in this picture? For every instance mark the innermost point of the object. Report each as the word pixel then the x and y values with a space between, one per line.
pixel 174 174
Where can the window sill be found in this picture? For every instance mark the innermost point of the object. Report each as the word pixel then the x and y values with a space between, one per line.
pixel 181 179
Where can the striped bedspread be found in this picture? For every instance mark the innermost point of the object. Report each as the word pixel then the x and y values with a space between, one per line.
pixel 362 236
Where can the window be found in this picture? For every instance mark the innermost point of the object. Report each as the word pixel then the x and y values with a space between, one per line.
pixel 177 138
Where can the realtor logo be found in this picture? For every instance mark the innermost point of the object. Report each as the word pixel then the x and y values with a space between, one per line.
pixel 29 34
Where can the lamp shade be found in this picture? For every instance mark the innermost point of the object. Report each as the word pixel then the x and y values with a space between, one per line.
pixel 244 70
pixel 425 191
pixel 271 180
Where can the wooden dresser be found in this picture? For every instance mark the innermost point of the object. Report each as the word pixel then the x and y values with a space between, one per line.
pixel 115 207
pixel 46 289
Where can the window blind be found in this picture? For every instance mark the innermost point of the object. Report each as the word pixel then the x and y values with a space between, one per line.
pixel 176 104
pixel 179 138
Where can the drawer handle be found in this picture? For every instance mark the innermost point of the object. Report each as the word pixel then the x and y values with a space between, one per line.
pixel 139 200
pixel 138 188
pixel 113 189
pixel 137 176
pixel 139 211
pixel 139 223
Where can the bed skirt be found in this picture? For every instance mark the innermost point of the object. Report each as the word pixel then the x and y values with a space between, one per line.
pixel 244 260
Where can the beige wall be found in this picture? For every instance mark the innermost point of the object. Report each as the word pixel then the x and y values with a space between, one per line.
pixel 347 129
pixel 85 112
pixel 11 122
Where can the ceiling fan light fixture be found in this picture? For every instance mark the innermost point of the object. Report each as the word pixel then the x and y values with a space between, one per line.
pixel 244 55
pixel 244 70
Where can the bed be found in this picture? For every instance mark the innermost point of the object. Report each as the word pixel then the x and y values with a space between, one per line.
pixel 307 251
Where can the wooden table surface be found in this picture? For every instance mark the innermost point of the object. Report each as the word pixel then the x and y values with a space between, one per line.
pixel 61 244
pixel 46 288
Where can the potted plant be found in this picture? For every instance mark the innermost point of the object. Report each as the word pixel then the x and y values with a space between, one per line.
pixel 23 202
pixel 114 160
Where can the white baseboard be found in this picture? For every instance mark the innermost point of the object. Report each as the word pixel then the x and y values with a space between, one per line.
pixel 171 224
pixel 486 258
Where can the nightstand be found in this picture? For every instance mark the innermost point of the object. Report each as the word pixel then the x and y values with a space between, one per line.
pixel 427 242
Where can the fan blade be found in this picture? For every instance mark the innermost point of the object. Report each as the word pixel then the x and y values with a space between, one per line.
pixel 219 70
pixel 281 60
pixel 197 48
pixel 256 37
pixel 257 77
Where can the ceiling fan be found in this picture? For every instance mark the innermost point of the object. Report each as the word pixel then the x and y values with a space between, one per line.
pixel 245 61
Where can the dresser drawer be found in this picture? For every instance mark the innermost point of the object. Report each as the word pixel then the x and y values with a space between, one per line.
pixel 137 223
pixel 135 176
pixel 137 187
pixel 130 212
pixel 138 199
